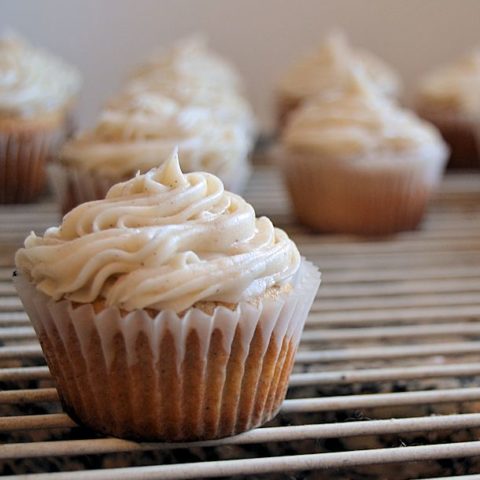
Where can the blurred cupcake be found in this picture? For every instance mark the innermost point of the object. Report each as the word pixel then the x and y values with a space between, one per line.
pixel 329 68
pixel 192 75
pixel 189 59
pixel 355 162
pixel 133 133
pixel 156 327
pixel 37 91
pixel 449 97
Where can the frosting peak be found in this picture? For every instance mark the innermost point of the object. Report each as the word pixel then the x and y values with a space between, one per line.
pixel 162 240
pixel 328 69
pixel 454 87
pixel 191 75
pixel 357 121
pixel 33 81
pixel 189 59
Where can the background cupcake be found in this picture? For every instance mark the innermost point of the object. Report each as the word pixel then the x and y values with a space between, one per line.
pixel 188 58
pixel 37 91
pixel 449 97
pixel 329 68
pixel 354 162
pixel 193 75
pixel 154 325
pixel 133 133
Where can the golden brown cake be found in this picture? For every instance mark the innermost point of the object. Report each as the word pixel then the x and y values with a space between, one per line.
pixel 167 311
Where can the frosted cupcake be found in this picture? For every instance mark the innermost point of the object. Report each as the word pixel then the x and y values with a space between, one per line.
pixel 355 162
pixel 134 133
pixel 192 75
pixel 329 68
pixel 449 97
pixel 154 325
pixel 36 93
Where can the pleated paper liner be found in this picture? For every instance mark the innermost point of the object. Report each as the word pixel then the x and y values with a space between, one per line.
pixel 26 146
pixel 379 196
pixel 168 377
pixel 462 135
pixel 23 158
pixel 73 186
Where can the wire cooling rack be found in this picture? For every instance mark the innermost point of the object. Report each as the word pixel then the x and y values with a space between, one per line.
pixel 386 382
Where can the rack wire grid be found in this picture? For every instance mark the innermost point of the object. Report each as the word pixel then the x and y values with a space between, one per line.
pixel 385 383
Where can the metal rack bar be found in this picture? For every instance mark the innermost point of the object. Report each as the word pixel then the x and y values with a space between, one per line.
pixel 277 434
pixel 290 463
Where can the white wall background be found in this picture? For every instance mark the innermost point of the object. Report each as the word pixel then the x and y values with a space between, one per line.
pixel 104 38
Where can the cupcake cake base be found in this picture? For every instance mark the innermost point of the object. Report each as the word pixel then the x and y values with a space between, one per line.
pixel 205 374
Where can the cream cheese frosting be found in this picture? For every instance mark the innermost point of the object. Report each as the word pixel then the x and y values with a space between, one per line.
pixel 33 81
pixel 329 68
pixel 226 106
pixel 357 121
pixel 453 88
pixel 162 240
pixel 138 129
pixel 189 60
pixel 192 75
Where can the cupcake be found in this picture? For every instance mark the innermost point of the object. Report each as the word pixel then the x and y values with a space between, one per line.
pixel 133 133
pixel 192 75
pixel 355 162
pixel 449 97
pixel 37 91
pixel 155 326
pixel 329 68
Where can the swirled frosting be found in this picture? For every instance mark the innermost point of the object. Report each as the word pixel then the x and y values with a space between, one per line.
pixel 191 75
pixel 162 240
pixel 138 129
pixel 225 105
pixel 330 66
pixel 453 88
pixel 189 61
pixel 357 121
pixel 33 81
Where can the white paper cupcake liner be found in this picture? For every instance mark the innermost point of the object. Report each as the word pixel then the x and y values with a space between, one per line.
pixel 171 377
pixel 371 196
